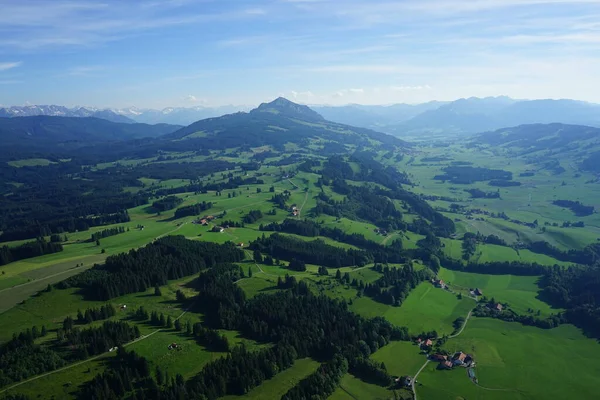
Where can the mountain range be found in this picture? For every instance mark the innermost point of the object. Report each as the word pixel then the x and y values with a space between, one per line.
pixel 463 116
pixel 278 125
pixel 60 111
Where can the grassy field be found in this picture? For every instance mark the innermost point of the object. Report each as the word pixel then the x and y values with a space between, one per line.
pixel 528 362
pixel 352 388
pixel 426 308
pixel 282 382
pixel 30 162
pixel 521 292
pixel 400 358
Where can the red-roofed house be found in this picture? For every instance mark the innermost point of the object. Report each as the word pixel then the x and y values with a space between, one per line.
pixel 445 365
pixel 459 358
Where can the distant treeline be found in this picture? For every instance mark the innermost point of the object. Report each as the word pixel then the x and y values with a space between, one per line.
pixel 480 194
pixel 588 255
pixel 106 233
pixel 171 257
pixel 201 187
pixel 466 174
pixel 380 253
pixel 252 216
pixel 504 183
pixel 578 291
pixel 167 203
pixel 313 252
pixel 578 209
pixel 28 250
pixel 192 210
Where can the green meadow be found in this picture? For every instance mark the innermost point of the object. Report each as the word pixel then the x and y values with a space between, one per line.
pixel 277 386
pixel 520 362
pixel 425 309
pixel 520 292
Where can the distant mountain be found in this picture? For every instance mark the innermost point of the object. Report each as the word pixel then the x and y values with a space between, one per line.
pixel 375 117
pixel 177 115
pixel 554 146
pixel 46 133
pixel 60 111
pixel 278 123
pixel 475 115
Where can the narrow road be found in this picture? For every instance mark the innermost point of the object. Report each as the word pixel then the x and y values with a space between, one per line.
pixel 415 379
pixel 303 204
pixel 463 326
pixel 143 337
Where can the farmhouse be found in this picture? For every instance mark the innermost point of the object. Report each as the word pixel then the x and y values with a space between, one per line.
pixel 478 292
pixel 439 283
pixel 425 345
pixel 459 358
pixel 445 365
pixel 498 307
pixel 439 357
pixel 240 244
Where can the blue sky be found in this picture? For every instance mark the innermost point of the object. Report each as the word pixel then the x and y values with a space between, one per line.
pixel 160 53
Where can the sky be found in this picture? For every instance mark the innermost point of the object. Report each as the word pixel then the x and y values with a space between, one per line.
pixel 184 53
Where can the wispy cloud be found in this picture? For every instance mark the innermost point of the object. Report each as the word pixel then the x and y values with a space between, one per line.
pixel 38 24
pixel 4 66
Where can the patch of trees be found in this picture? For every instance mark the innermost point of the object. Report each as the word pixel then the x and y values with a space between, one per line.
pixel 504 183
pixel 577 290
pixel 97 340
pixel 578 209
pixel 210 338
pixel 480 194
pixel 393 286
pixel 95 314
pixel 491 268
pixel 21 358
pixel 361 203
pixel 322 383
pixel 252 216
pixel 280 199
pixel 468 174
pixel 380 253
pixel 469 245
pixel 171 257
pixel 312 252
pixel 587 256
pixel 106 233
pixel 28 250
pixel 167 203
pixel 127 373
pixel 486 309
pixel 192 210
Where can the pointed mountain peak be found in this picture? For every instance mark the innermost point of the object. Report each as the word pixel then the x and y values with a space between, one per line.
pixel 286 108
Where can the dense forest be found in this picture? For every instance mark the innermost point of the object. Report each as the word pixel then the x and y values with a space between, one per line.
pixel 467 174
pixel 171 257
pixel 578 209
pixel 192 210
pixel 312 252
pixel 28 250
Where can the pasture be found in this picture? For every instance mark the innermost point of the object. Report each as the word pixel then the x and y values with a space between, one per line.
pixel 425 309
pixel 400 358
pixel 527 362
pixel 521 292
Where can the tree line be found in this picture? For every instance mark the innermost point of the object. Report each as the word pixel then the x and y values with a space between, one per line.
pixel 312 252
pixel 170 257
pixel 192 210
pixel 35 248
pixel 106 233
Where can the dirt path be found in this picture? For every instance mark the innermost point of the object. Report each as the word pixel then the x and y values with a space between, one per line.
pixel 303 204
